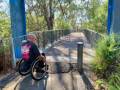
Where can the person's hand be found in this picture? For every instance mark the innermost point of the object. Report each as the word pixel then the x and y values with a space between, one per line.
pixel 41 58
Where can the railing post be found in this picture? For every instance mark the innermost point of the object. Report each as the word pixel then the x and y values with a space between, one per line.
pixel 80 56
pixel 51 37
pixel 44 39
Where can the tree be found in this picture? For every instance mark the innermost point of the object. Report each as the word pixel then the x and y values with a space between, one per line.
pixel 49 10
pixel 44 14
pixel 96 13
pixel 42 8
pixel 4 25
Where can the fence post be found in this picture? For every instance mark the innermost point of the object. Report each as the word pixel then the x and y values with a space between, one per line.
pixel 1 55
pixel 80 56
pixel 51 38
pixel 44 39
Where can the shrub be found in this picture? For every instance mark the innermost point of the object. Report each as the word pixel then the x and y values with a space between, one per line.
pixel 107 56
pixel 114 80
pixel 106 63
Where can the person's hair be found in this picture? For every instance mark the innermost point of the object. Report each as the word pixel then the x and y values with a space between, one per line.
pixel 32 38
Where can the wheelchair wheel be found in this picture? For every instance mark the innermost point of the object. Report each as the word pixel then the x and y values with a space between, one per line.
pixel 37 72
pixel 21 68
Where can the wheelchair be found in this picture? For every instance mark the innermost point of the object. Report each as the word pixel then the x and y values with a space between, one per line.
pixel 37 72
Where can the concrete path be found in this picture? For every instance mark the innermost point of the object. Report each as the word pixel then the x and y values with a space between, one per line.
pixel 66 81
pixel 65 51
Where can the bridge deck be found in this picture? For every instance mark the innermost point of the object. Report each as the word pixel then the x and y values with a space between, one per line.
pixel 64 51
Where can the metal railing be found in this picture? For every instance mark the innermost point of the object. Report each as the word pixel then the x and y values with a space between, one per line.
pixel 43 39
pixel 48 38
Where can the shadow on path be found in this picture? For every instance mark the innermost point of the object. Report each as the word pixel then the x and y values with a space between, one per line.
pixel 29 84
pixel 8 78
pixel 87 82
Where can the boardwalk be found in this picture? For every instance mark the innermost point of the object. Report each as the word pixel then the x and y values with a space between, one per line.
pixel 60 77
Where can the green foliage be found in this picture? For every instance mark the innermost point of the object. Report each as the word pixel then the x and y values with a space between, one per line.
pixel 4 31
pixel 97 16
pixel 35 23
pixel 1 49
pixel 114 79
pixel 47 14
pixel 4 25
pixel 114 82
pixel 106 63
pixel 61 24
pixel 107 55
pixel 99 82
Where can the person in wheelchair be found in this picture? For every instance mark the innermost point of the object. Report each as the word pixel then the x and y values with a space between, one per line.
pixel 30 53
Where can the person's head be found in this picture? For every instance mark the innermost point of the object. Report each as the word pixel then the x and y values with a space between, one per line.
pixel 32 38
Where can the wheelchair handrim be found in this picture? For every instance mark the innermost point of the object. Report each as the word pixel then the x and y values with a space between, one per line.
pixel 32 71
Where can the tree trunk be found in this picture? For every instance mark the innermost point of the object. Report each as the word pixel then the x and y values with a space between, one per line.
pixel 49 15
pixel 50 23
